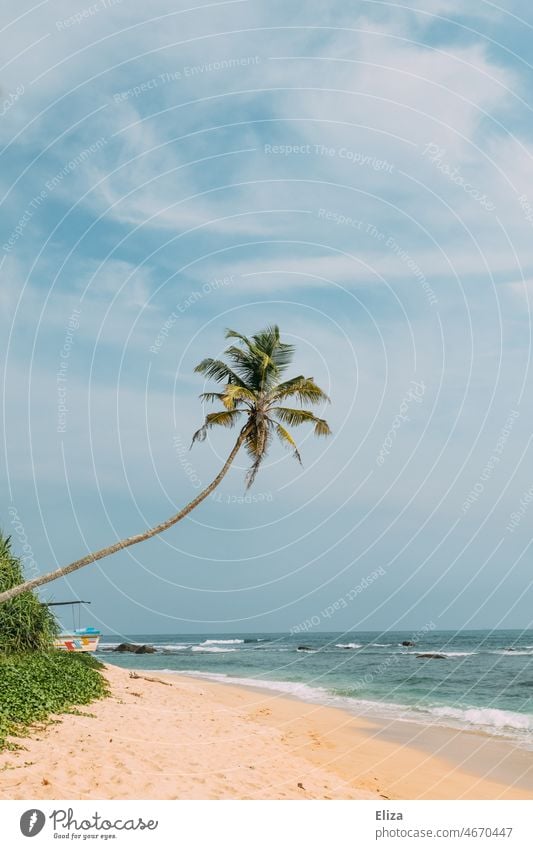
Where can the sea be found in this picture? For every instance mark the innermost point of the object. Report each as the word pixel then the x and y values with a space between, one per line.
pixel 482 682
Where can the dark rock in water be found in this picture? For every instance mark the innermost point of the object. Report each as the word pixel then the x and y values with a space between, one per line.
pixel 407 643
pixel 433 655
pixel 127 647
pixel 509 648
pixel 304 648
pixel 135 649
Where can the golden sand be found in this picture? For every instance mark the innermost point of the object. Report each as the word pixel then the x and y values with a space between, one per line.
pixel 193 739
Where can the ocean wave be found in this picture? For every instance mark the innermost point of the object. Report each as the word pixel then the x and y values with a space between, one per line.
pixel 486 718
pixel 456 653
pixel 348 646
pixel 290 688
pixel 513 653
pixel 204 648
pixel 220 642
pixel 381 645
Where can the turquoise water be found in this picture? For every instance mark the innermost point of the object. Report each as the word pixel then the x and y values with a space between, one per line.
pixel 484 682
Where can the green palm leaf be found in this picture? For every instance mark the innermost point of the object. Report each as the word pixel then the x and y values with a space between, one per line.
pixel 303 388
pixel 233 393
pixel 224 419
pixel 218 370
pixel 212 397
pixel 285 437
pixel 297 417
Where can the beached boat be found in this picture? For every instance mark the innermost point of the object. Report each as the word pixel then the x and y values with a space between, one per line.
pixel 77 639
pixel 82 639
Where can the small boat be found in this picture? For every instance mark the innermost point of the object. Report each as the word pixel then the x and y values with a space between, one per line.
pixel 82 639
pixel 76 639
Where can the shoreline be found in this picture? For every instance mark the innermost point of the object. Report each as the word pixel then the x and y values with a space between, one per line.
pixel 499 756
pixel 173 736
pixel 374 714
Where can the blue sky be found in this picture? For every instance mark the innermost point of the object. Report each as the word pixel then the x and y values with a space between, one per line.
pixel 359 174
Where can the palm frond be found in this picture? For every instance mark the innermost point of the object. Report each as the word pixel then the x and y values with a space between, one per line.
pixel 226 418
pixel 253 365
pixel 211 397
pixel 303 388
pixel 232 394
pixel 277 354
pixel 219 371
pixel 233 334
pixel 297 417
pixel 285 437
pixel 244 359
pixel 246 365
pixel 253 349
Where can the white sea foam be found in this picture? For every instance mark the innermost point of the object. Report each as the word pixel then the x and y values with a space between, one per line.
pixel 456 653
pixel 486 718
pixel 348 646
pixel 204 648
pixel 514 653
pixel 291 688
pixel 220 642
pixel 381 645
pixel 489 720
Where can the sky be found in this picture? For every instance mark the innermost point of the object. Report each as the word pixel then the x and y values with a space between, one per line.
pixel 360 175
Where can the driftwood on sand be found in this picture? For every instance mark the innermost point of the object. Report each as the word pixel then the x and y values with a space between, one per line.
pixel 146 678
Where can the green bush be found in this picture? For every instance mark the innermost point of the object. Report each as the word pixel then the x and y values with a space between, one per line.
pixel 35 680
pixel 25 624
pixel 34 685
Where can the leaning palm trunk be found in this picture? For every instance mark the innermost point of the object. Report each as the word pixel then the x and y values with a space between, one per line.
pixel 125 543
pixel 253 388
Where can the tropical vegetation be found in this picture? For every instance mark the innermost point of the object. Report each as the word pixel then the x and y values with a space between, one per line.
pixel 36 680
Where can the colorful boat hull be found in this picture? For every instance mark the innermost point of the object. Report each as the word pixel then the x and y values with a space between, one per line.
pixel 85 640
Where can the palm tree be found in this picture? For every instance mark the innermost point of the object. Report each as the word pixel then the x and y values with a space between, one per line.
pixel 252 389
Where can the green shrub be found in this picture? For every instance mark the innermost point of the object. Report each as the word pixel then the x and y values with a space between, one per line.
pixel 25 624
pixel 34 685
pixel 35 680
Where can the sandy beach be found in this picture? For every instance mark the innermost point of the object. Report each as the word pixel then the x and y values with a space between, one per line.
pixel 178 737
